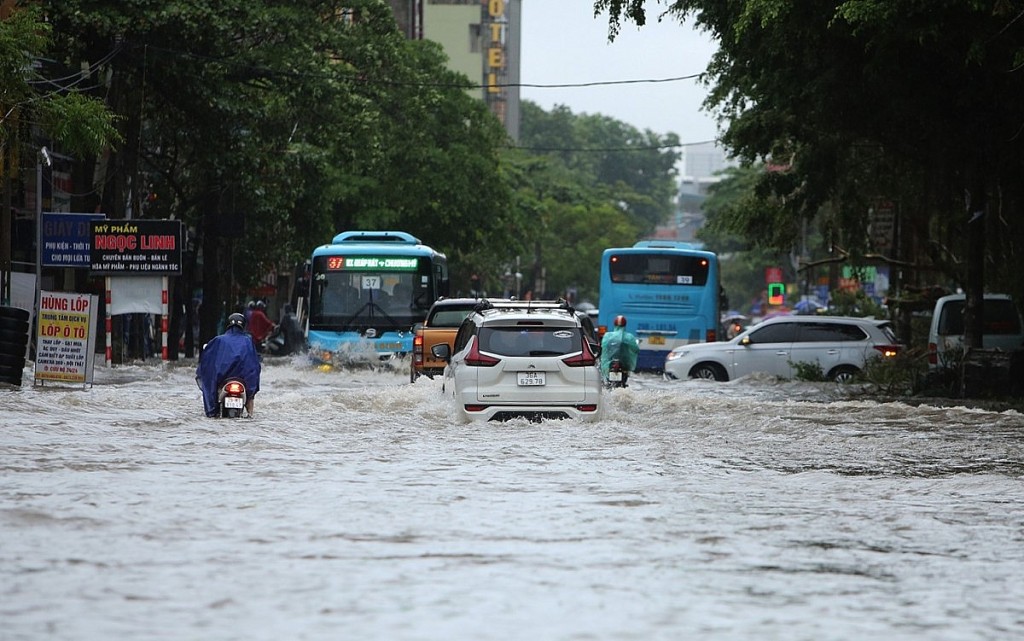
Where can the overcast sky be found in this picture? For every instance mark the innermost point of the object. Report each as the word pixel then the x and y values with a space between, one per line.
pixel 563 43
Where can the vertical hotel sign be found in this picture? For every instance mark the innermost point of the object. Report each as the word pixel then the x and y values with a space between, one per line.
pixel 494 32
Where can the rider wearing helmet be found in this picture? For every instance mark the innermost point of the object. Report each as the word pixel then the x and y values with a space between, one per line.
pixel 259 324
pixel 230 355
pixel 619 345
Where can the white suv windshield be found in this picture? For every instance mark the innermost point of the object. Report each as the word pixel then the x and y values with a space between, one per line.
pixel 530 341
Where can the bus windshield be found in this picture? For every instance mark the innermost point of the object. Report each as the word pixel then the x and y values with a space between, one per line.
pixel 356 291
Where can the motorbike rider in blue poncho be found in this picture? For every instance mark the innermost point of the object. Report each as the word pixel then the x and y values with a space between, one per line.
pixel 230 355
pixel 619 345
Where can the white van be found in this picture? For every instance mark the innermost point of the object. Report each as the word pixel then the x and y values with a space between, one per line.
pixel 1002 326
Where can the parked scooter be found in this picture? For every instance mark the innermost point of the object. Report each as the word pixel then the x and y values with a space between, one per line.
pixel 231 399
pixel 617 375
pixel 275 343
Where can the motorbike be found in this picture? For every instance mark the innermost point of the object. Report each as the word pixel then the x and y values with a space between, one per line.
pixel 617 375
pixel 231 398
pixel 275 343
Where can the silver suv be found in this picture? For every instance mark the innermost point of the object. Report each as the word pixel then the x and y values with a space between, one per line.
pixel 527 359
pixel 840 345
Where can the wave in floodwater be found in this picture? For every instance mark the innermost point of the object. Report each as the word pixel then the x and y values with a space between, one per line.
pixel 354 505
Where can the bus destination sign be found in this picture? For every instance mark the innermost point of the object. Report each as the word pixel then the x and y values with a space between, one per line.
pixel 373 263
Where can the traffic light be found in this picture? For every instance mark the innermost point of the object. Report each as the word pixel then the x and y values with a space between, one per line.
pixel 776 293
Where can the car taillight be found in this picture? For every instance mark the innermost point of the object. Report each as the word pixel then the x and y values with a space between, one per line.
pixel 933 354
pixel 587 408
pixel 417 350
pixel 889 351
pixel 235 389
pixel 711 336
pixel 584 359
pixel 476 359
pixel 476 408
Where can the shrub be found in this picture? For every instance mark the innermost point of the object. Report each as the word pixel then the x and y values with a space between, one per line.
pixel 804 371
pixel 897 376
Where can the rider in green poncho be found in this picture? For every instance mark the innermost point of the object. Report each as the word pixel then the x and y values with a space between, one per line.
pixel 620 345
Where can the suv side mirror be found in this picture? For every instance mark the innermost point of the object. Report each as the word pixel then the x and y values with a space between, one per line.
pixel 441 351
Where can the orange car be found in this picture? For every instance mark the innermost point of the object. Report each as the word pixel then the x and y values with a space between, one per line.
pixel 440 326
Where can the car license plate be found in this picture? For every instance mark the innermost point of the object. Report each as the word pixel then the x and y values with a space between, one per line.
pixel 656 340
pixel 615 377
pixel 234 402
pixel 531 378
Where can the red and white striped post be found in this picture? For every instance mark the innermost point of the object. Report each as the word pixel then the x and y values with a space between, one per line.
pixel 163 318
pixel 109 326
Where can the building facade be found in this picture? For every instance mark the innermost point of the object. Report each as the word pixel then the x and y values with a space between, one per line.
pixel 482 41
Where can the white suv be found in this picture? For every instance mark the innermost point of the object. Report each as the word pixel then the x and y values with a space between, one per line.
pixel 841 345
pixel 1002 328
pixel 522 359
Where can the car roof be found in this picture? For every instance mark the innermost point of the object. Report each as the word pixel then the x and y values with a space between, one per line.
pixel 464 303
pixel 949 297
pixel 808 318
pixel 510 309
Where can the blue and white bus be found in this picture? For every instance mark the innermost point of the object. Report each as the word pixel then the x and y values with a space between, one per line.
pixel 367 289
pixel 669 292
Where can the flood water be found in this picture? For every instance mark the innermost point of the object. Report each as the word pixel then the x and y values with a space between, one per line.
pixel 354 507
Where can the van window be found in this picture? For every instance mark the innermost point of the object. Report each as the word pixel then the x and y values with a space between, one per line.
pixel 1000 318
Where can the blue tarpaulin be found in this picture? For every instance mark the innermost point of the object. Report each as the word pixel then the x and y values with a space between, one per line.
pixel 230 355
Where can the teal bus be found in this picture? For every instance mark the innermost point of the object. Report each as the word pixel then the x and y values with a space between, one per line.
pixel 366 291
pixel 669 292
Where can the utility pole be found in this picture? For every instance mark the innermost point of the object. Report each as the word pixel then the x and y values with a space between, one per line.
pixel 41 157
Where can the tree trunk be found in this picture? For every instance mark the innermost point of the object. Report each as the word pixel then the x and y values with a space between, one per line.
pixel 974 308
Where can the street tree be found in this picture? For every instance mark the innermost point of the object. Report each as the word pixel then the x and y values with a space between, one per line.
pixel 840 90
pixel 34 107
pixel 590 182
pixel 269 127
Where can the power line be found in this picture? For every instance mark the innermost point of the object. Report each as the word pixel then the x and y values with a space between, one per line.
pixel 362 78
pixel 599 83
pixel 609 149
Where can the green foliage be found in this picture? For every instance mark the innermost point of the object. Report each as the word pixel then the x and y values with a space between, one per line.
pixel 847 302
pixel 268 127
pixel 80 124
pixel 726 233
pixel 634 170
pixel 807 371
pixel 584 183
pixel 896 376
pixel 861 100
pixel 284 123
